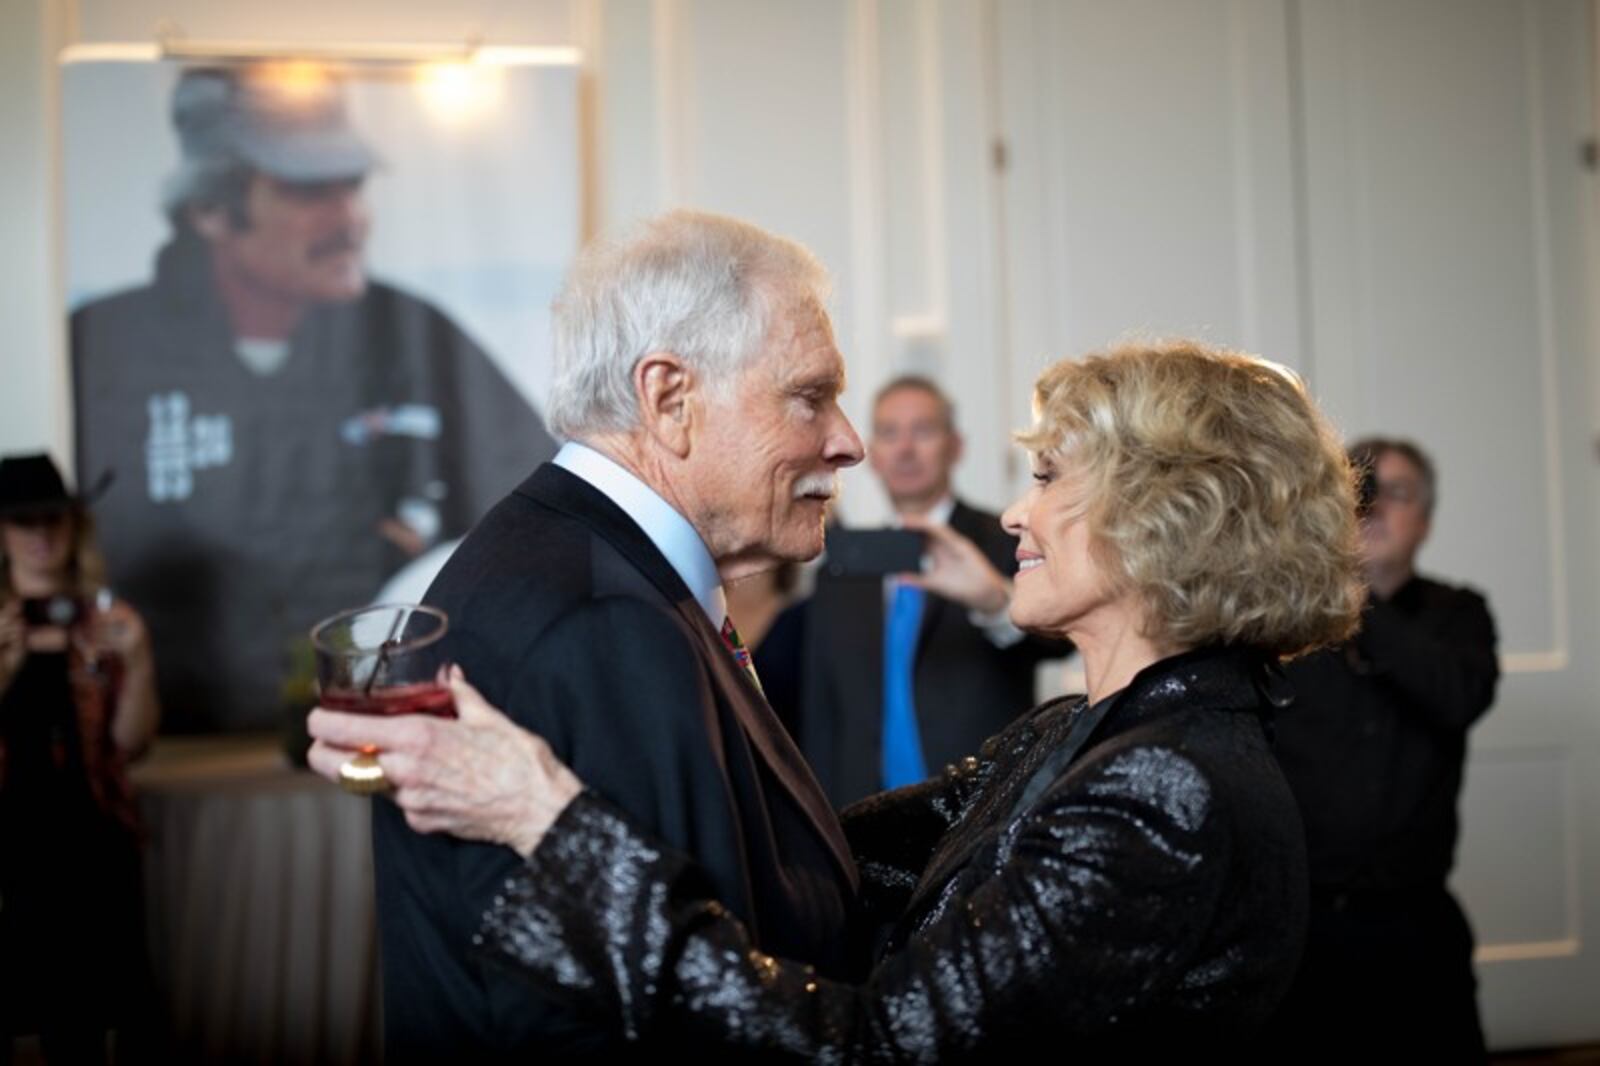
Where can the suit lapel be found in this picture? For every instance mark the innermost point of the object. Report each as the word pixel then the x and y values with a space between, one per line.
pixel 934 608
pixel 857 622
pixel 554 487
pixel 767 736
pixel 842 662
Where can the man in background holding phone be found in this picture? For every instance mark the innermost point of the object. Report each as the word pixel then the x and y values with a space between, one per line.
pixel 902 676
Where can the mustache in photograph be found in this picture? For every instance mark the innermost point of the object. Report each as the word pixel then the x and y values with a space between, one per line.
pixel 336 244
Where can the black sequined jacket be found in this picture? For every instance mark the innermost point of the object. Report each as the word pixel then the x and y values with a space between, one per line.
pixel 1144 892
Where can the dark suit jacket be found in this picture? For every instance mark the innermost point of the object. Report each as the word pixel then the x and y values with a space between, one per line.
pixel 566 616
pixel 966 689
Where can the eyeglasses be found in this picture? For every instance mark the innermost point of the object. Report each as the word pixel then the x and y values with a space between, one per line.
pixel 1400 491
pixel 921 432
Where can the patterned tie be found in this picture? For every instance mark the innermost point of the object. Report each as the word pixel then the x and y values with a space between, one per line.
pixel 902 748
pixel 741 654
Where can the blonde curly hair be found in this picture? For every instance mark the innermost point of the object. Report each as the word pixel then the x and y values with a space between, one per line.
pixel 1213 489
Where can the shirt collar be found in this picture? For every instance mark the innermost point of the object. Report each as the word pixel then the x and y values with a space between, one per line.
pixel 668 530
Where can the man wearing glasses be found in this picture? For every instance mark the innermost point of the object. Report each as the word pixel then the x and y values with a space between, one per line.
pixel 1373 748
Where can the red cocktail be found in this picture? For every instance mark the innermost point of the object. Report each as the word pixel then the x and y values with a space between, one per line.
pixel 422 698
pixel 383 660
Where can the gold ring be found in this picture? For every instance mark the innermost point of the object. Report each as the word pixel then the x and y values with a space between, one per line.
pixel 363 776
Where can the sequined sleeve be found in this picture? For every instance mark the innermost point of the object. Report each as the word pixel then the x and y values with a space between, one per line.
pixel 1102 892
pixel 893 835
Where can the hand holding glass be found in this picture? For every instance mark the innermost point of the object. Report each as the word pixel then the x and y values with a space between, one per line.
pixel 383 660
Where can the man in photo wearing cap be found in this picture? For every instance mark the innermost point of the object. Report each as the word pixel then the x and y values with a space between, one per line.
pixel 288 431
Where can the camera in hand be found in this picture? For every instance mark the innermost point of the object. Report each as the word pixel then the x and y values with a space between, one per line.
pixel 1366 491
pixel 873 552
pixel 56 610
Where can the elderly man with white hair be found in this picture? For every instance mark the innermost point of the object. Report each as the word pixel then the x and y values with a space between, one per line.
pixel 696 387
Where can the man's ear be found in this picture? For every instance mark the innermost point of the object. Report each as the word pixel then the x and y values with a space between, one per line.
pixel 668 396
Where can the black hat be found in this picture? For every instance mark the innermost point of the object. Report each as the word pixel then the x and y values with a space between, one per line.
pixel 31 487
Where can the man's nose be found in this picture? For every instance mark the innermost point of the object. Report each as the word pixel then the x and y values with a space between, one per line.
pixel 843 446
pixel 348 207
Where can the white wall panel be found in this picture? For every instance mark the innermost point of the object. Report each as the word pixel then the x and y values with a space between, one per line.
pixel 1429 244
pixel 1153 180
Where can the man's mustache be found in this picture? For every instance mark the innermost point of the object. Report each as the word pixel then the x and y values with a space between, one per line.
pixel 336 244
pixel 817 485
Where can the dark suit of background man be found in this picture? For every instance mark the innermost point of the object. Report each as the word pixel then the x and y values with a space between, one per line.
pixel 287 431
pixel 899 682
pixel 1374 748
pixel 697 383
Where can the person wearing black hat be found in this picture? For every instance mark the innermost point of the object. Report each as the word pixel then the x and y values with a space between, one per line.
pixel 290 432
pixel 77 703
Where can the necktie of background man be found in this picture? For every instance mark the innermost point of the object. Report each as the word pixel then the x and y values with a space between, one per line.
pixel 903 763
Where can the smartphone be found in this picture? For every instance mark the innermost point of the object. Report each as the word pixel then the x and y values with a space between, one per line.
pixel 873 552
pixel 52 611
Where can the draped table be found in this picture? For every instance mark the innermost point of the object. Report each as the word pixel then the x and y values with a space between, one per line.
pixel 259 903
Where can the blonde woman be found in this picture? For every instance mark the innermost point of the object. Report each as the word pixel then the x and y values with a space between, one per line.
pixel 1122 870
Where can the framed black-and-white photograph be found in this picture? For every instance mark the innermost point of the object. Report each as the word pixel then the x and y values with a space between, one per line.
pixel 309 328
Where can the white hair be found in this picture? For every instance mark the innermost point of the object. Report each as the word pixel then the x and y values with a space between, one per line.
pixel 704 287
